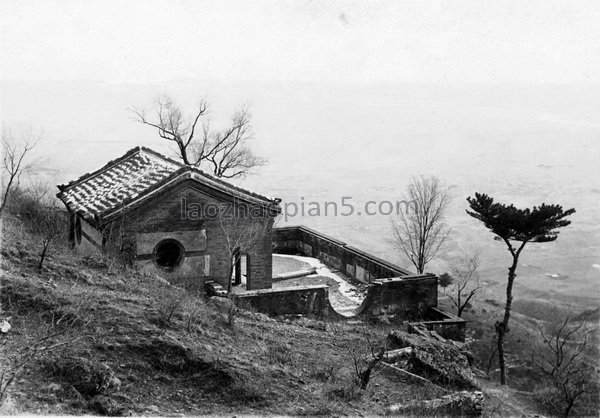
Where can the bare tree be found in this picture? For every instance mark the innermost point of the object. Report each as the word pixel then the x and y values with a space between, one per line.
pixel 243 228
pixel 225 153
pixel 465 281
pixel 365 364
pixel 562 359
pixel 420 231
pixel 15 150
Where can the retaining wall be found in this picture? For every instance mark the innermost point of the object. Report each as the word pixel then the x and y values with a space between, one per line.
pixel 409 297
pixel 393 292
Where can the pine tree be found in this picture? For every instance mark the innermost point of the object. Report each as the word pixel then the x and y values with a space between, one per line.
pixel 516 227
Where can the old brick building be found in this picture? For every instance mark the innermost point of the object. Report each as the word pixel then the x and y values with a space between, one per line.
pixel 172 219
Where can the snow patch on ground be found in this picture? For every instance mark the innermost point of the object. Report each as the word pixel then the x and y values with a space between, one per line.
pixel 346 289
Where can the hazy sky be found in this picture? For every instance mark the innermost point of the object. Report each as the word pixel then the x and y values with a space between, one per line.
pixel 364 41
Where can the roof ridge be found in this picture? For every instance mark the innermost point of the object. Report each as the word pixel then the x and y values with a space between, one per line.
pixel 207 175
pixel 160 155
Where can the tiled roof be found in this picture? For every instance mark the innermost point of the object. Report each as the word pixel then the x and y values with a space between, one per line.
pixel 132 177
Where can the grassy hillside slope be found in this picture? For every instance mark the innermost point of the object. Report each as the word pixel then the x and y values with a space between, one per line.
pixel 93 338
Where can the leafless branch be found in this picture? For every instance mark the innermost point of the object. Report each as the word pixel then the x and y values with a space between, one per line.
pixel 230 156
pixel 366 360
pixel 172 125
pixel 225 153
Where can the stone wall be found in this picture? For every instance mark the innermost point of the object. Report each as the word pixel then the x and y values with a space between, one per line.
pixel 304 300
pixel 407 297
pixel 334 253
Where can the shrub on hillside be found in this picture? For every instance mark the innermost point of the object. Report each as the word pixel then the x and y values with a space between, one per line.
pixel 40 216
pixel 119 247
pixel 566 356
pixel 169 301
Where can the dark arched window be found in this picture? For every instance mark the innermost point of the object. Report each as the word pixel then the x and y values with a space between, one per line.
pixel 168 254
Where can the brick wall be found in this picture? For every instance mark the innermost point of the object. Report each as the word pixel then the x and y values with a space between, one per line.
pixel 351 261
pixel 177 213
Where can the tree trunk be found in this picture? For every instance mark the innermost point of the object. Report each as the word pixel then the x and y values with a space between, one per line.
pixel 570 404
pixel 365 376
pixel 43 256
pixel 6 193
pixel 183 152
pixel 502 327
pixel 501 332
pixel 230 272
pixel 459 305
pixel 490 360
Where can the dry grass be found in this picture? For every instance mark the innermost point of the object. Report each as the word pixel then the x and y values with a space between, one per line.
pixel 174 353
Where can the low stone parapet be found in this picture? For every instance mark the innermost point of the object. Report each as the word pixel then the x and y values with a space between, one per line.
pixel 349 260
pixel 304 300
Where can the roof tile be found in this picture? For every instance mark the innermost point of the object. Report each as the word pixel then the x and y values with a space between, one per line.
pixel 129 178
